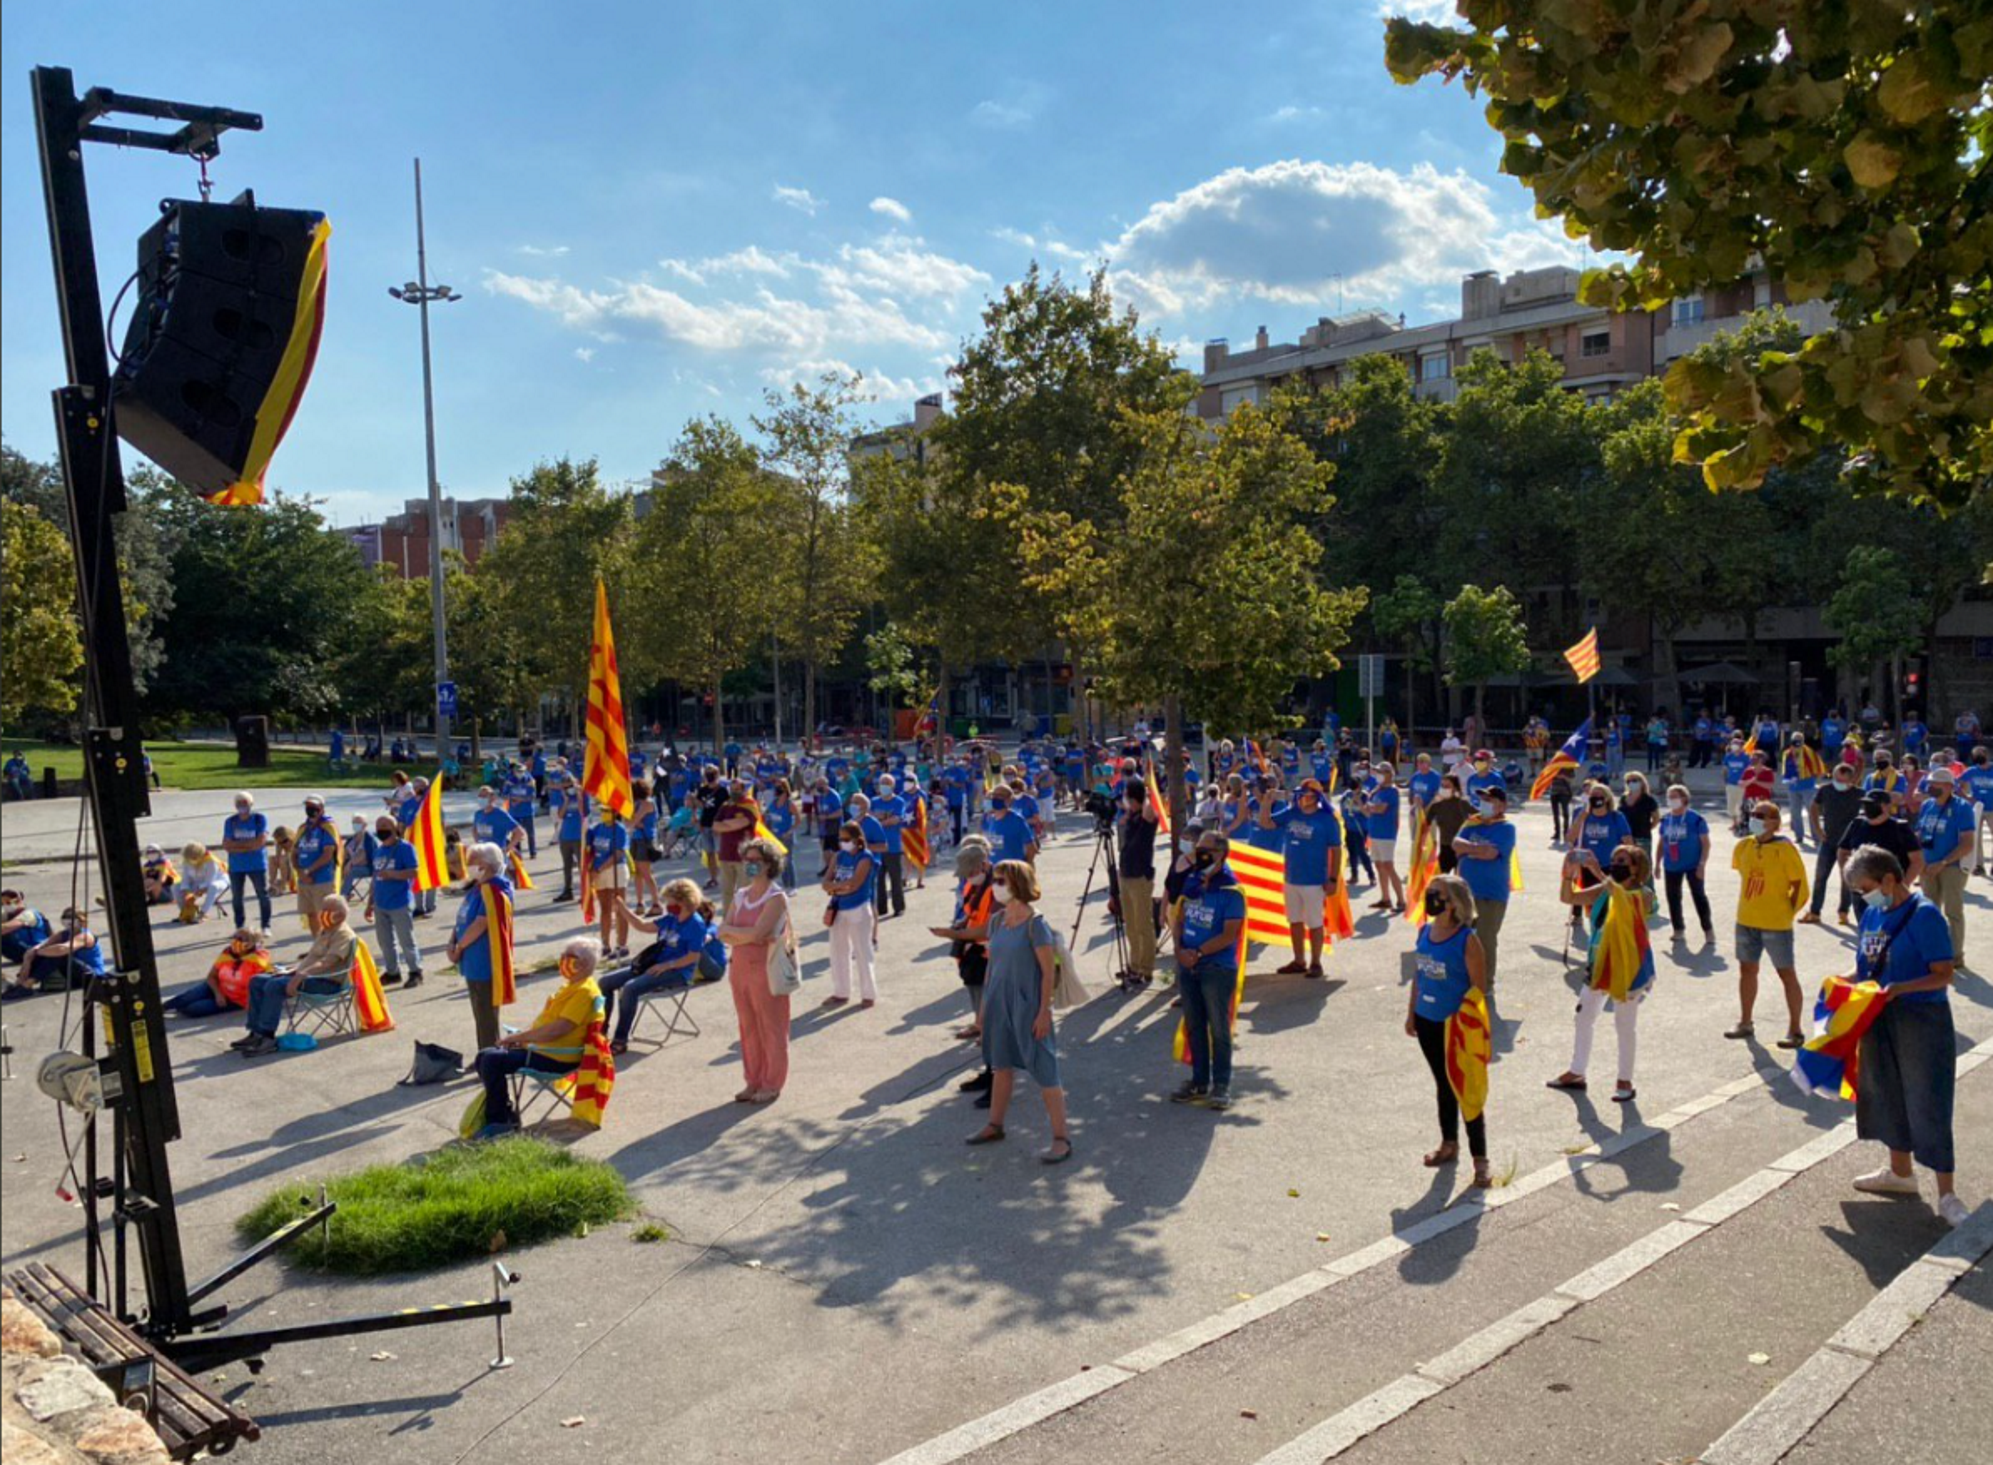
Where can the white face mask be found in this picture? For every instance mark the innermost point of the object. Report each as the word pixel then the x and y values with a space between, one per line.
pixel 851 846
pixel 1757 826
pixel 1001 893
pixel 1678 804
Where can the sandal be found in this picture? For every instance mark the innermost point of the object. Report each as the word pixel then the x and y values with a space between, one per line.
pixel 1446 1154
pixel 834 1002
pixel 1742 1030
pixel 1053 1156
pixel 619 1047
pixel 1624 1093
pixel 1569 1082
pixel 989 1134
pixel 745 1096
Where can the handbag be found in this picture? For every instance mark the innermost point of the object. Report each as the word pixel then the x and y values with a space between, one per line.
pixel 1067 988
pixel 433 1064
pixel 785 972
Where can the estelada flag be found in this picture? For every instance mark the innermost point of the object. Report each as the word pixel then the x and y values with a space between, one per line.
pixel 521 878
pixel 590 1085
pixel 1571 756
pixel 913 833
pixel 1584 657
pixel 498 931
pixel 370 1003
pixel 1469 1045
pixel 431 841
pixel 606 763
pixel 1830 1062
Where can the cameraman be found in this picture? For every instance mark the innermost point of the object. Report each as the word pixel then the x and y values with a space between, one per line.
pixel 1137 863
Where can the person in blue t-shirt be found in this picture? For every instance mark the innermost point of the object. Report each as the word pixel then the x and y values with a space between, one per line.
pixel 889 814
pixel 522 802
pixel 1685 860
pixel 1424 783
pixel 849 883
pixel 493 825
pixel 1976 787
pixel 828 811
pixel 1380 810
pixel 22 927
pixel 1909 1055
pixel 1451 960
pixel 391 903
pixel 570 810
pixel 1485 846
pixel 670 961
pixel 316 856
pixel 1597 830
pixel 1311 841
pixel 955 783
pixel 70 957
pixel 1010 836
pixel 1207 924
pixel 246 836
pixel 732 754
pixel 1948 831
pixel 1484 776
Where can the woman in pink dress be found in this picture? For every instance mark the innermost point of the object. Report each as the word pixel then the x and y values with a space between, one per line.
pixel 758 920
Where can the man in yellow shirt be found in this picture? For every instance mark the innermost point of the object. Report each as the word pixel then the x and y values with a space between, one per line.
pixel 553 1044
pixel 1775 889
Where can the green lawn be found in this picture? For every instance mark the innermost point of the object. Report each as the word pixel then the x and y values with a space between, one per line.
pixel 209 765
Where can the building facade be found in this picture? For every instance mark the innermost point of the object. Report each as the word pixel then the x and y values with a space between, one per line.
pixel 401 541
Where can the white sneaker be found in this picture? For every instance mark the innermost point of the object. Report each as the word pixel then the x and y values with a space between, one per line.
pixel 1886 1182
pixel 1952 1209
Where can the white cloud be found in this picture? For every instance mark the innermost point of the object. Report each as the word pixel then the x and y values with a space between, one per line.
pixel 1008 113
pixel 1304 232
pixel 1281 116
pixel 584 353
pixel 543 251
pixel 1432 12
pixel 902 263
pixel 800 199
pixel 1014 236
pixel 880 386
pixel 892 208
pixel 751 260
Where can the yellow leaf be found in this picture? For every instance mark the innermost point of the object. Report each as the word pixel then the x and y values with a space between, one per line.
pixel 1294 1194
pixel 1906 93
pixel 1873 162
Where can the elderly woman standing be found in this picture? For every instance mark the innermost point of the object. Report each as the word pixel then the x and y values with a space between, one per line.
pixel 553 1044
pixel 975 901
pixel 481 945
pixel 757 924
pixel 1017 1008
pixel 1909 1055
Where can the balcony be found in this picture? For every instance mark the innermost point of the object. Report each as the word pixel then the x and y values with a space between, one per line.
pixel 1683 337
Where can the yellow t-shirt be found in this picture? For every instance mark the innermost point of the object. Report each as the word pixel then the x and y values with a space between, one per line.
pixel 577 1002
pixel 1770 869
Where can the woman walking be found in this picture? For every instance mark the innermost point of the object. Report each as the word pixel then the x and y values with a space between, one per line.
pixel 1017 1008
pixel 1451 961
pixel 1620 961
pixel 848 883
pixel 756 926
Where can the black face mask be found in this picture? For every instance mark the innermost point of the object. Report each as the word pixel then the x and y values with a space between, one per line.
pixel 1206 859
pixel 1435 904
pixel 1621 873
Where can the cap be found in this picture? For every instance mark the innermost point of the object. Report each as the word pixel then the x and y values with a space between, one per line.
pixel 1495 791
pixel 1874 804
pixel 1480 753
pixel 1941 774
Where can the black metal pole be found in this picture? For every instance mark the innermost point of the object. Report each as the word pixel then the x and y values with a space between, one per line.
pixel 114 763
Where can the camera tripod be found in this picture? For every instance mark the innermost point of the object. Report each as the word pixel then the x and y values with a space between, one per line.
pixel 1103 854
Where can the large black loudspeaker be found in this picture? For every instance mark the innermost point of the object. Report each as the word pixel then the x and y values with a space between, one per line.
pixel 217 340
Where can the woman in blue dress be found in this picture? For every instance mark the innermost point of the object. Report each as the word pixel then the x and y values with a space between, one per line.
pixel 1017 1007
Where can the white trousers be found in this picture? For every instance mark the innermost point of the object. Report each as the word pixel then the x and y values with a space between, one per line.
pixel 851 954
pixel 1625 1016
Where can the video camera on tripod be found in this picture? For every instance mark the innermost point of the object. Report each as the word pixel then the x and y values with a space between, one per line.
pixel 1104 811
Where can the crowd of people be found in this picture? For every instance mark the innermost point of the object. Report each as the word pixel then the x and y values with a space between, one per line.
pixel 1430 833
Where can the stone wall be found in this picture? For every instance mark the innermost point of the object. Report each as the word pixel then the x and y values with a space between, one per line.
pixel 53 1410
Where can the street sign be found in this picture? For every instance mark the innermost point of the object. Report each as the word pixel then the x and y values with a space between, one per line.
pixel 1370 675
pixel 446 699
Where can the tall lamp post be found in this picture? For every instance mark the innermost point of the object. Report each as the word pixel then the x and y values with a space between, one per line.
pixel 419 293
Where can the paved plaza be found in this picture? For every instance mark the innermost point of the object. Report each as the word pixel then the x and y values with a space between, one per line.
pixel 846 1282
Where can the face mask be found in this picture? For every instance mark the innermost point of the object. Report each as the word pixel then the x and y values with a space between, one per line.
pixel 1001 893
pixel 753 869
pixel 570 968
pixel 1000 805
pixel 1678 804
pixel 1435 904
pixel 1598 806
pixel 1206 859
pixel 1485 807
pixel 1757 826
pixel 1844 783
pixel 242 810
pixel 1621 873
pixel 1876 899
pixel 851 846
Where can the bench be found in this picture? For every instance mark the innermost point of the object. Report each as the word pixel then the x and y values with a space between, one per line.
pixel 187 1417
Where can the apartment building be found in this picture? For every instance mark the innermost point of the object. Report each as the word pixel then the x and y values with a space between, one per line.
pixel 1602 351
pixel 401 541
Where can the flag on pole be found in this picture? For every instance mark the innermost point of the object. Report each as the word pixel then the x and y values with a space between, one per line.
pixel 1157 803
pixel 1584 657
pixel 1570 756
pixel 606 762
pixel 520 878
pixel 432 862
pixel 370 1003
pixel 1830 1063
pixel 1468 1047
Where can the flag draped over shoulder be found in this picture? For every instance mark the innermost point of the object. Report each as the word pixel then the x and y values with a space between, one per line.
pixel 606 763
pixel 432 864
pixel 1337 919
pixel 1469 1044
pixel 1830 1062
pixel 1570 756
pixel 498 931
pixel 913 833
pixel 589 1086
pixel 370 1003
pixel 1804 762
pixel 1425 865
pixel 1584 657
pixel 1622 956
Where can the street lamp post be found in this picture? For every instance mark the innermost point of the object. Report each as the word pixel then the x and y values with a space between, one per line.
pixel 419 293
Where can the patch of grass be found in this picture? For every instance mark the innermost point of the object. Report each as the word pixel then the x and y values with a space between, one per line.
pixel 455 1205
pixel 648 1233
pixel 211 765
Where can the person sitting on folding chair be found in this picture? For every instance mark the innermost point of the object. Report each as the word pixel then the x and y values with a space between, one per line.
pixel 327 969
pixel 670 961
pixel 552 1045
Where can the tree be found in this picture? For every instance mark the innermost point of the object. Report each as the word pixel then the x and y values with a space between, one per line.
pixel 1484 638
pixel 1408 614
pixel 1844 146
pixel 695 604
pixel 893 669
pixel 830 564
pixel 40 648
pixel 1876 617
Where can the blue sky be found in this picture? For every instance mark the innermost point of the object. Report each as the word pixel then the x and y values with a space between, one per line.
pixel 657 210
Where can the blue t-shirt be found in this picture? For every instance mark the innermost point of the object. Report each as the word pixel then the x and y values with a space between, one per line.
pixel 1489 879
pixel 246 826
pixel 23 939
pixel 1425 786
pixel 1604 833
pixel 394 895
pixel 90 958
pixel 1977 782
pixel 1384 825
pixel 1734 765
pixel 314 840
pixel 872 832
pixel 1681 840
pixel 494 825
pixel 830 813
pixel 1025 807
pixel 474 964
pixel 679 936
pixel 519 797
pixel 1209 905
pixel 1940 826
pixel 846 867
pixel 956 782
pixel 1917 936
pixel 1478 781
pixel 1833 733
pixel 1308 838
pixel 1439 981
pixel 606 843
pixel 888 816
pixel 780 818
pixel 573 807
pixel 1915 735
pixel 1009 835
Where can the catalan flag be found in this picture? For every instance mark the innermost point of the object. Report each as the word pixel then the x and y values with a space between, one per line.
pixel 1622 957
pixel 1425 865
pixel 370 1003
pixel 498 931
pixel 1830 1062
pixel 606 763
pixel 589 1086
pixel 914 842
pixel 1584 657
pixel 1338 921
pixel 521 878
pixel 1262 877
pixel 1469 1045
pixel 431 840
pixel 1571 756
pixel 1157 802
pixel 286 390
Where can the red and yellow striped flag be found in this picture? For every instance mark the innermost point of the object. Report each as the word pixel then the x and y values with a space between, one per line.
pixel 1262 877
pixel 1425 865
pixel 914 842
pixel 1157 802
pixel 1469 1045
pixel 1584 657
pixel 370 1003
pixel 498 932
pixel 590 1085
pixel 606 765
pixel 432 865
pixel 522 879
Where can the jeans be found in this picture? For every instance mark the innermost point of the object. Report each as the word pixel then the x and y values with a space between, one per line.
pixel 261 880
pixel 1674 880
pixel 1432 1043
pixel 529 824
pixel 196 1001
pixel 955 823
pixel 1560 815
pixel 892 872
pixel 495 1067
pixel 1359 859
pixel 1797 802
pixel 570 859
pixel 394 933
pixel 789 871
pixel 1828 862
pixel 1909 1074
pixel 1655 753
pixel 1207 1019
pixel 635 986
pixel 267 997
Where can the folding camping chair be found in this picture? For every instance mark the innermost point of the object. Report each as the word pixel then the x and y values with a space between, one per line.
pixel 678 1019
pixel 323 1014
pixel 540 1090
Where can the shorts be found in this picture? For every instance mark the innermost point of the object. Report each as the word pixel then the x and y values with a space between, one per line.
pixel 609 877
pixel 1384 851
pixel 311 898
pixel 644 852
pixel 1305 905
pixel 708 841
pixel 1756 945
